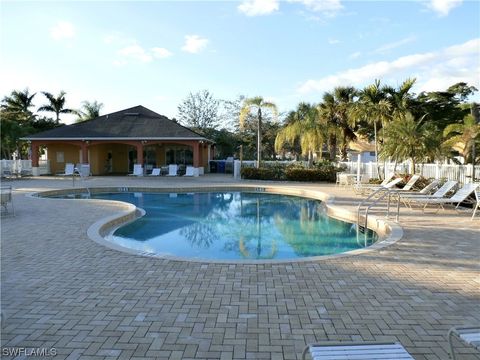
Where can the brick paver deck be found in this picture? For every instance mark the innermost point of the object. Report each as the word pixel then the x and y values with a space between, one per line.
pixel 62 290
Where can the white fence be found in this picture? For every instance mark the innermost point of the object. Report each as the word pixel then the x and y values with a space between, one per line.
pixel 460 173
pixel 23 167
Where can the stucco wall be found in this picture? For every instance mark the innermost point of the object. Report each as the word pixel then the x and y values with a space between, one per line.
pixel 71 154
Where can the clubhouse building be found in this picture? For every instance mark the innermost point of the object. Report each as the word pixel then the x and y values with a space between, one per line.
pixel 113 143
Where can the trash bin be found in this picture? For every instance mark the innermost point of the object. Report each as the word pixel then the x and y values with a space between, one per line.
pixel 213 167
pixel 221 167
pixel 229 167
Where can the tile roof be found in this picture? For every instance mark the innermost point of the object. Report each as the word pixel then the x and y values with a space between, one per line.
pixel 134 123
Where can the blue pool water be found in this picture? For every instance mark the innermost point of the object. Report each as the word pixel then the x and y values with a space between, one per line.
pixel 234 225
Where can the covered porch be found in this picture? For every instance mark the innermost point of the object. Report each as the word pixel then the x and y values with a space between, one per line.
pixel 118 157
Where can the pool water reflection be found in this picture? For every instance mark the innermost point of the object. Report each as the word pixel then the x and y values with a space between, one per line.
pixel 234 225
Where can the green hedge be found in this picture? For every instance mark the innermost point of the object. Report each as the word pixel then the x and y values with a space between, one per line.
pixel 320 172
pixel 262 174
pixel 296 174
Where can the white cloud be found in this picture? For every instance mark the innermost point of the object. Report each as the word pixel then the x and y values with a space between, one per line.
pixel 443 7
pixel 258 7
pixel 333 41
pixel 135 52
pixel 62 30
pixel 393 45
pixel 161 53
pixel 434 70
pixel 327 7
pixel 194 44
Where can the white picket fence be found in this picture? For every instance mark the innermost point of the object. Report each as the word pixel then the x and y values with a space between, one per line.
pixel 23 167
pixel 460 173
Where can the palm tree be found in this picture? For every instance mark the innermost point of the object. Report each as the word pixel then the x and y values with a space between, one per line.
pixel 56 105
pixel 18 104
pixel 305 125
pixel 335 110
pixel 256 104
pixel 344 97
pixel 372 107
pixel 407 138
pixel 328 111
pixel 89 111
pixel 400 99
pixel 463 137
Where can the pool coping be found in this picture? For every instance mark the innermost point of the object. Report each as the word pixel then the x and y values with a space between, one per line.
pixel 388 231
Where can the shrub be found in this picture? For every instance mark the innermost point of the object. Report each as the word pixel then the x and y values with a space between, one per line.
pixel 296 174
pixel 322 171
pixel 262 174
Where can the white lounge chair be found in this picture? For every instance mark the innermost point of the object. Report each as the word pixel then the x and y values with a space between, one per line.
pixel 358 351
pixel 407 199
pixel 137 170
pixel 409 185
pixel 83 170
pixel 6 200
pixel 191 171
pixel 467 335
pixel 172 170
pixel 423 192
pixel 69 170
pixel 477 205
pixel 360 188
pixel 155 172
pixel 460 196
pixel 389 185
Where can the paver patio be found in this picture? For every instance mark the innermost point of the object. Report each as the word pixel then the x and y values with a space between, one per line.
pixel 62 290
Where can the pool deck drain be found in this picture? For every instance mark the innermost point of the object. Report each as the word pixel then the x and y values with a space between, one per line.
pixel 62 290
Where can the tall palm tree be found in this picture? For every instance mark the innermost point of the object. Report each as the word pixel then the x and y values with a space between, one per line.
pixel 305 125
pixel 18 104
pixel 328 111
pixel 400 99
pixel 56 105
pixel 373 107
pixel 257 104
pixel 89 110
pixel 344 96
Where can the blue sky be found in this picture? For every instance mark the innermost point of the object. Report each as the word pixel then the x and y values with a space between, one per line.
pixel 154 53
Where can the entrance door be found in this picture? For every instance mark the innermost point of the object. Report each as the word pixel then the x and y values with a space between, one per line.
pixel 132 159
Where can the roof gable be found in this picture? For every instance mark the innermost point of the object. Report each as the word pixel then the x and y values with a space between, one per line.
pixel 133 123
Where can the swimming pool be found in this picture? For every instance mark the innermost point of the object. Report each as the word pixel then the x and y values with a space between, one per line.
pixel 234 225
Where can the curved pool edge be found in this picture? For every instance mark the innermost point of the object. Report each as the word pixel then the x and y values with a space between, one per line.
pixel 388 232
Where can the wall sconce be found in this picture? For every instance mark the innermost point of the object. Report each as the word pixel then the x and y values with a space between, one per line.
pixel 144 142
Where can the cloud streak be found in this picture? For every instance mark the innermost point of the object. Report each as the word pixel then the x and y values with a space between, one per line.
pixel 138 54
pixel 329 8
pixel 443 7
pixel 258 7
pixel 394 45
pixel 433 70
pixel 194 44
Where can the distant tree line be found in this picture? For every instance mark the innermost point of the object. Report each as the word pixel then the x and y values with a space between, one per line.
pixel 403 126
pixel 18 118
